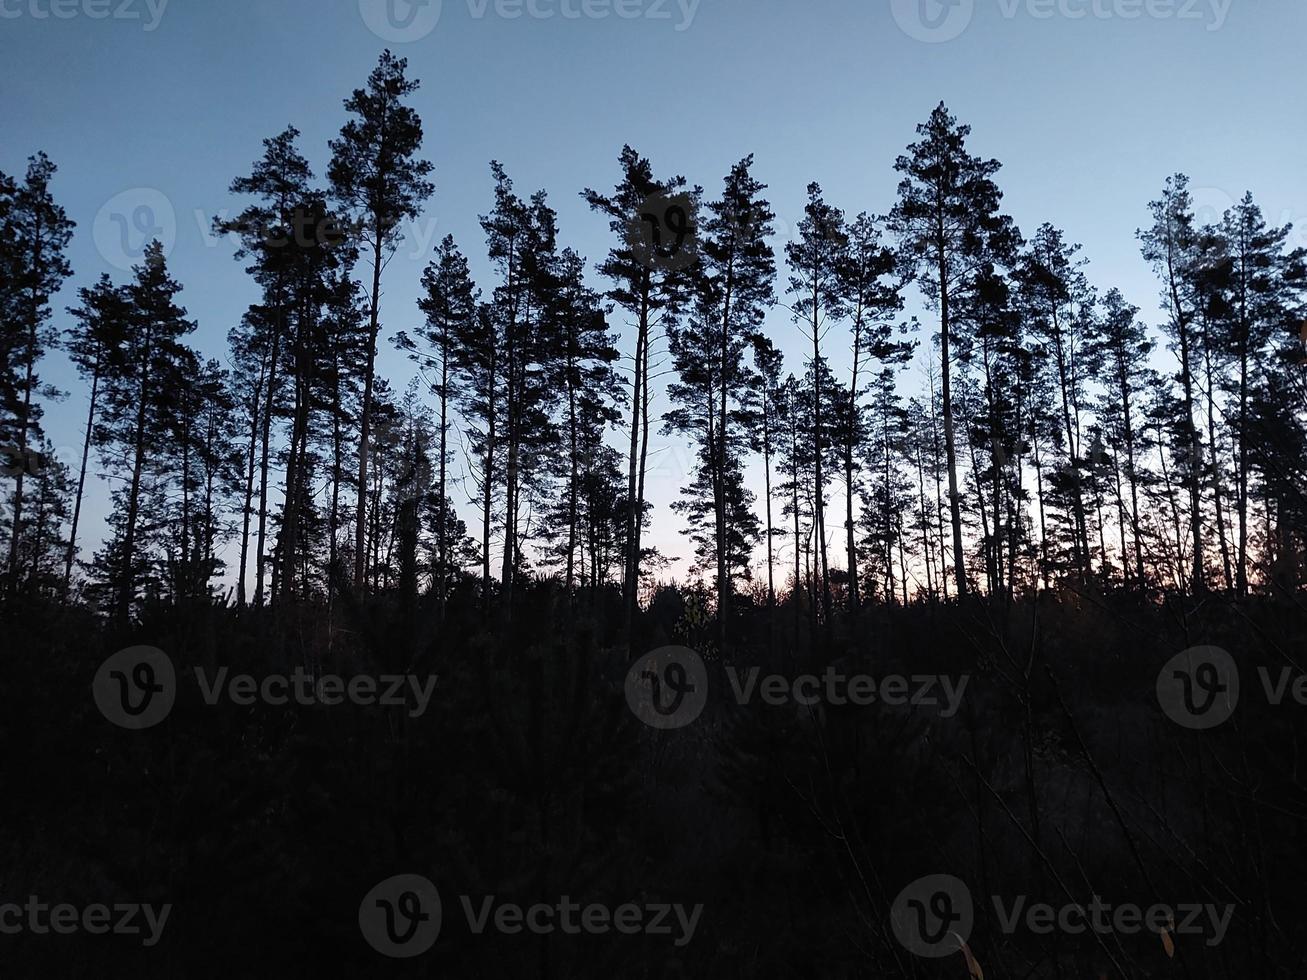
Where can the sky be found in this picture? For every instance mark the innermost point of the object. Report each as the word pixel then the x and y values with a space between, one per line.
pixel 151 107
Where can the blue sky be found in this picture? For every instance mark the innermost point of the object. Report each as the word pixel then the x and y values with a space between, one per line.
pixel 1090 104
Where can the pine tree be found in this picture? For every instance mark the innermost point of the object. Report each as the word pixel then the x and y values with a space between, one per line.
pixel 818 259
pixel 521 238
pixel 134 434
pixel 1171 246
pixel 201 470
pixel 1279 453
pixel 344 328
pixel 872 291
pixel 34 233
pixel 480 399
pixel 43 544
pixel 1119 355
pixel 795 464
pixel 886 498
pixel 995 350
pixel 316 261
pixel 654 294
pixel 1266 287
pixel 91 345
pixel 280 182
pixel 766 379
pixel 950 232
pixel 582 371
pixel 737 275
pixel 378 180
pixel 449 302
pixel 924 460
pixel 1058 306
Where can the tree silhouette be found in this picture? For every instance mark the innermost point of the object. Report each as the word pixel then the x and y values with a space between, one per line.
pixel 379 182
pixel 951 233
pixel 34 232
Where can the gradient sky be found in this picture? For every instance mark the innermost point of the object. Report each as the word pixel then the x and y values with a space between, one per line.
pixel 1089 104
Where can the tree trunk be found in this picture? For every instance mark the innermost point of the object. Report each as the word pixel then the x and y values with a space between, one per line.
pixel 1195 448
pixel 850 438
pixel 34 316
pixel 126 590
pixel 260 558
pixel 365 413
pixel 635 505
pixel 771 571
pixel 819 482
pixel 723 544
pixel 950 442
pixel 442 531
pixel 71 555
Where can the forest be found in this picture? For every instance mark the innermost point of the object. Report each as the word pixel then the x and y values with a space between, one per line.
pixel 986 465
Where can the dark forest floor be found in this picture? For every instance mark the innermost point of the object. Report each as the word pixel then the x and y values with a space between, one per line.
pixel 799 829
